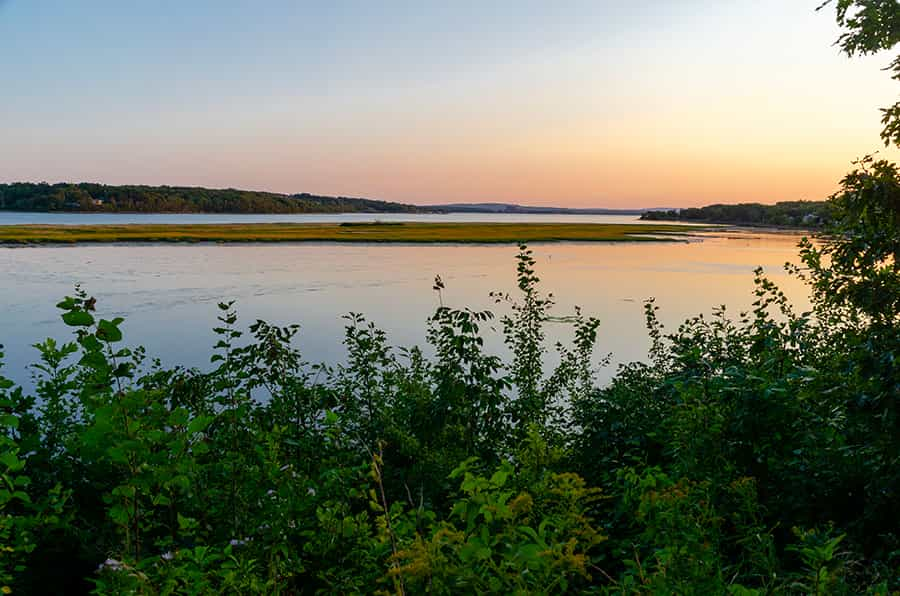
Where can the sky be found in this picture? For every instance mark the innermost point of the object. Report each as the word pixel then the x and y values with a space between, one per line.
pixel 556 102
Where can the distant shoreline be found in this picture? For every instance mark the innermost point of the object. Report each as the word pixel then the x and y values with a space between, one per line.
pixel 798 215
pixel 95 198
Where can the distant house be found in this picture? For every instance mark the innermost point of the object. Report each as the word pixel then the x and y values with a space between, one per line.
pixel 97 202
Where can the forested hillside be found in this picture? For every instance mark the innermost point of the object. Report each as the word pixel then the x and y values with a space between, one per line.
pixel 26 196
pixel 800 214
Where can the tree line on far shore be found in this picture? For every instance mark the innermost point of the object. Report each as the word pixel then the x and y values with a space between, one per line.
pixel 102 198
pixel 791 214
pixel 28 196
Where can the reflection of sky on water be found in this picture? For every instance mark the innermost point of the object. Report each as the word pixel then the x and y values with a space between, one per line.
pixel 168 293
pixel 61 218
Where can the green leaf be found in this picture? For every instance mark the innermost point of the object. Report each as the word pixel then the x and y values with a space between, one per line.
pixel 499 477
pixel 474 549
pixel 178 417
pixel 78 318
pixel 122 370
pixel 199 424
pixel 22 496
pixel 90 343
pixel 529 552
pixel 160 499
pixel 186 523
pixel 94 360
pixel 108 331
pixel 11 461
pixel 118 514
pixel 68 303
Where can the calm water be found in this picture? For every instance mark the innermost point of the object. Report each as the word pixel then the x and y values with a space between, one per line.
pixel 15 218
pixel 168 293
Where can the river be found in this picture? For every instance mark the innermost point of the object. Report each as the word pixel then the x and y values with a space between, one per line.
pixel 168 293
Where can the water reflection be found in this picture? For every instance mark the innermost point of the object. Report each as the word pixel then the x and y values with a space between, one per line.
pixel 168 292
pixel 60 218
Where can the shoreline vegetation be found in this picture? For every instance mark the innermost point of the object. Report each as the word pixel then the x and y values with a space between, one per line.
pixel 85 197
pixel 809 215
pixel 390 232
pixel 89 197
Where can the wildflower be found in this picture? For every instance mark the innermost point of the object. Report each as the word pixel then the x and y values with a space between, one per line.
pixel 110 564
pixel 167 556
pixel 311 491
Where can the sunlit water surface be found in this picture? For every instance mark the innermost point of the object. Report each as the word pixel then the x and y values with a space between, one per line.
pixel 8 218
pixel 168 293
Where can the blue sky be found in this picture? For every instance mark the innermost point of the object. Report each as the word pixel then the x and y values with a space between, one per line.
pixel 572 103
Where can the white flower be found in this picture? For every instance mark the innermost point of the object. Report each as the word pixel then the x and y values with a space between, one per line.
pixel 110 564
pixel 167 556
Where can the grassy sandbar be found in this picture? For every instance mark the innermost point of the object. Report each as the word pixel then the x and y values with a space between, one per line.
pixel 415 232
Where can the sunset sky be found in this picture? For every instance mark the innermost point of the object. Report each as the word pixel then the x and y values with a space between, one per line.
pixel 570 103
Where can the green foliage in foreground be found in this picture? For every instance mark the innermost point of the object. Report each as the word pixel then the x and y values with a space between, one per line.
pixel 419 232
pixel 870 27
pixel 103 198
pixel 759 455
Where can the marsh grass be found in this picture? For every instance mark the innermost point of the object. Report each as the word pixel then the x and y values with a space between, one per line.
pixel 501 233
